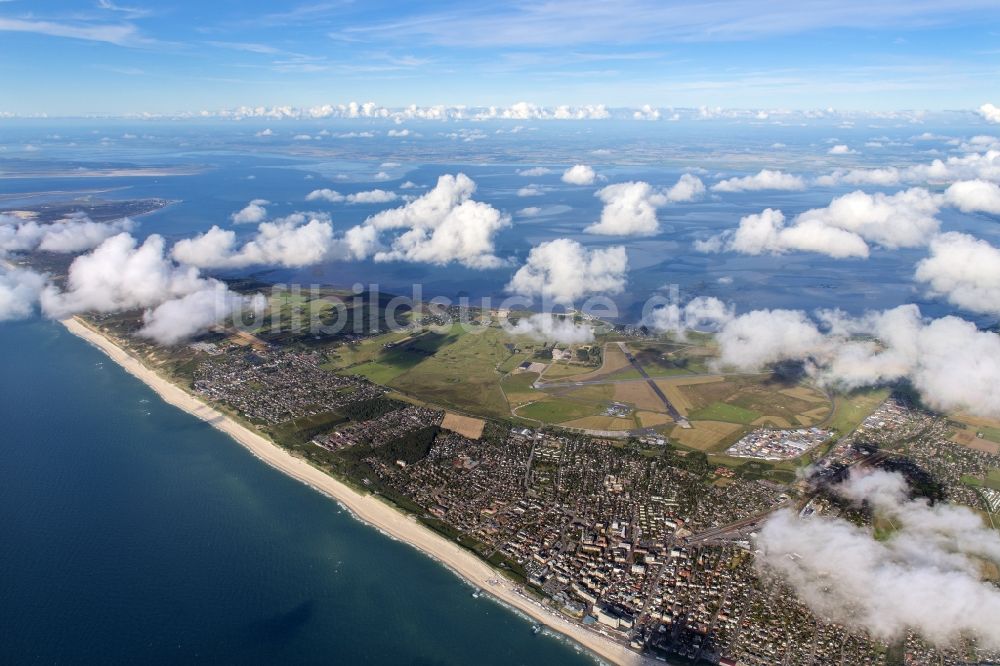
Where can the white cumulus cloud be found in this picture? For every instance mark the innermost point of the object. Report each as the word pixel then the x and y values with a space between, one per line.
pixel 965 270
pixel 990 112
pixel 122 274
pixel 630 208
pixel 295 241
pixel 253 213
pixel 564 271
pixel 974 196
pixel 767 233
pixel 372 196
pixel 765 179
pixel 579 174
pixel 442 226
pixel 325 194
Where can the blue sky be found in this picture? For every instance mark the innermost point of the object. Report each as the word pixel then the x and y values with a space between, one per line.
pixel 66 57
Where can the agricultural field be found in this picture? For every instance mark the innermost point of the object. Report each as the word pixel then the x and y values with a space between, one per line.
pixel 969 437
pixel 639 395
pixel 466 426
pixel 751 399
pixel 556 410
pixel 976 432
pixel 709 436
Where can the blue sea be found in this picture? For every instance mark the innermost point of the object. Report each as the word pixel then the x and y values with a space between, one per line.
pixel 133 533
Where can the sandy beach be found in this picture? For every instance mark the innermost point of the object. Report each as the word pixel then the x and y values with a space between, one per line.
pixel 367 508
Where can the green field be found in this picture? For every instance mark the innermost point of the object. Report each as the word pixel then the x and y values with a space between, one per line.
pixel 556 410
pixel 722 411
pixel 458 370
pixel 750 397
pixel 561 369
pixel 521 382
pixel 990 433
pixel 301 430
pixel 853 408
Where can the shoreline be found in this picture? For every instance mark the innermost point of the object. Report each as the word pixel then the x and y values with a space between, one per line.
pixel 366 508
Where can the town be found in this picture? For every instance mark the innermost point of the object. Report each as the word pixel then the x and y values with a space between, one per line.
pixel 645 543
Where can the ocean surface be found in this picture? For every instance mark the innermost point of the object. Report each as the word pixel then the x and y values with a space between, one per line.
pixel 131 532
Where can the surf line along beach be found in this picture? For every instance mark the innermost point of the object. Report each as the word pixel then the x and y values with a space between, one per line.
pixel 367 508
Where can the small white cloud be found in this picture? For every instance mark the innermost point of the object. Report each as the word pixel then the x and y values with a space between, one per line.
pixel 990 113
pixel 534 171
pixel 371 197
pixel 687 188
pixel 841 149
pixel 253 213
pixel 765 179
pixel 579 174
pixel 325 194
pixel 294 241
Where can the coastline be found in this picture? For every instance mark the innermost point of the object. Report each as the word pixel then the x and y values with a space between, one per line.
pixel 366 508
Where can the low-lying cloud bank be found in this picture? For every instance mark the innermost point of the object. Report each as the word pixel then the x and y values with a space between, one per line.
pixel 924 577
pixel 121 274
pixel 949 361
pixel 75 233
pixel 552 328
pixel 19 292
pixel 964 270
pixel 976 165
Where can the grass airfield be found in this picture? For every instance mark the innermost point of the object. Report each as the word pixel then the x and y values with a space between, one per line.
pixel 479 372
